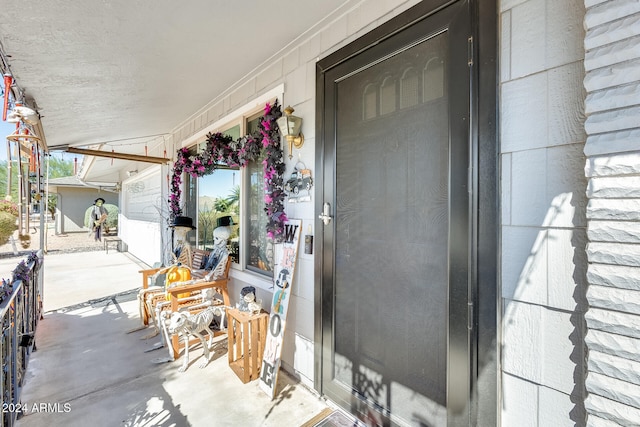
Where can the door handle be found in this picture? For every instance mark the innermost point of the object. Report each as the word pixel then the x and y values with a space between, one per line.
pixel 325 215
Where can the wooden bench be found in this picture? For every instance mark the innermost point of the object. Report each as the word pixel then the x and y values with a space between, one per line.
pixel 220 284
pixel 193 287
pixel 197 258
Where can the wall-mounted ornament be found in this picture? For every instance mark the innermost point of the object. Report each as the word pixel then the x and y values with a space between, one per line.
pixel 298 186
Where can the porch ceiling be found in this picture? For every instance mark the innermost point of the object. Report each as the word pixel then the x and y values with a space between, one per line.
pixel 121 71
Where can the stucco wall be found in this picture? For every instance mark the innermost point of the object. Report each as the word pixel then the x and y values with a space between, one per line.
pixel 612 82
pixel 295 66
pixel 543 212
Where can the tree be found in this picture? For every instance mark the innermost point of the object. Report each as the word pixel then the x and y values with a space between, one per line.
pixel 8 214
pixel 57 169
pixel 233 200
pixel 52 203
pixel 13 191
pixel 234 196
pixel 206 224
pixel 220 205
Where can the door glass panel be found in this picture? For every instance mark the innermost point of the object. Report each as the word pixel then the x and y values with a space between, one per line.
pixel 391 235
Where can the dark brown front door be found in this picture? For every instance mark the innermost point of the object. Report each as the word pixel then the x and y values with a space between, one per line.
pixel 395 263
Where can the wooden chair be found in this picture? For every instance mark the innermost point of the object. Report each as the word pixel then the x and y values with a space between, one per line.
pixel 201 292
pixel 197 259
pixel 178 304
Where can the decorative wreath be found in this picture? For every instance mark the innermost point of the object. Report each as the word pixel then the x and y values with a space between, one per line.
pixel 223 150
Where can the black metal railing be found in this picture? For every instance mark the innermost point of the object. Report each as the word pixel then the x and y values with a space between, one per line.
pixel 20 311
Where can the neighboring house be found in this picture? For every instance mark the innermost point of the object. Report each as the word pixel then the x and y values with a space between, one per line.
pixel 74 198
pixel 479 161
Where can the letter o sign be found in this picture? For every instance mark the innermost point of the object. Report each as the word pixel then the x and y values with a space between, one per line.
pixel 275 325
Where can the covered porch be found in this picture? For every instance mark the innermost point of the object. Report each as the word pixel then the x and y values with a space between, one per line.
pixel 88 370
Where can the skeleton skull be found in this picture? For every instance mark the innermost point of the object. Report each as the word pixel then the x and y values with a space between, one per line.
pixel 176 322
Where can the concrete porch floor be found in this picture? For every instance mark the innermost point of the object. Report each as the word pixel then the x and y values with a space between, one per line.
pixel 88 371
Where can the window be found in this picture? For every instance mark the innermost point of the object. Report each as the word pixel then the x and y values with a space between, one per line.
pixel 235 192
pixel 260 248
pixel 409 91
pixel 388 96
pixel 369 100
pixel 433 79
pixel 219 196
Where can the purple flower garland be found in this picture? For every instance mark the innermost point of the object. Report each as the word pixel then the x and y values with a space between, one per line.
pixel 21 272
pixel 222 149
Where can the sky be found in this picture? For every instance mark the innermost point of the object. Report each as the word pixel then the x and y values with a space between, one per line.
pixel 219 183
pixel 5 129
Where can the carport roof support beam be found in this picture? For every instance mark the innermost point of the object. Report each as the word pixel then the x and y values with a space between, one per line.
pixel 113 155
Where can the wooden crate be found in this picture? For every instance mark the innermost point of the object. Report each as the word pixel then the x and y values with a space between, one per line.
pixel 247 335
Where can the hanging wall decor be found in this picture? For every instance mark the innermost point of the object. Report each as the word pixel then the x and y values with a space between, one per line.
pixel 299 184
pixel 222 150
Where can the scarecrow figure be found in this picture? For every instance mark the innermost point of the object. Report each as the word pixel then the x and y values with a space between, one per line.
pixel 98 217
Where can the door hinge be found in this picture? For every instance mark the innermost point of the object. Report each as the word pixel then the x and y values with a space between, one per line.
pixel 470 51
pixel 470 315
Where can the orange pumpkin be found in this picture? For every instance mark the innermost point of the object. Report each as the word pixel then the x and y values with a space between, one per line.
pixel 178 274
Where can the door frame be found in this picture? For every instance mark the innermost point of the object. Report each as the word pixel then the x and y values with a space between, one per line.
pixel 484 202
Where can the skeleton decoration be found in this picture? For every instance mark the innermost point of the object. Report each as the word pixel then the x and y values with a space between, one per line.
pixel 158 310
pixel 186 325
pixel 217 260
pixel 182 255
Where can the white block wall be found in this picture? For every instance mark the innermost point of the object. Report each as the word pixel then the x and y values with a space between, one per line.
pixel 295 66
pixel 543 223
pixel 143 214
pixel 612 82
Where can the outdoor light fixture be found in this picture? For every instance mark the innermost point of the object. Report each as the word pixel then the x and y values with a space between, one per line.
pixel 290 128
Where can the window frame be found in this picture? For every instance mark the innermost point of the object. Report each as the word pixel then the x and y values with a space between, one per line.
pixel 252 107
pixel 191 206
